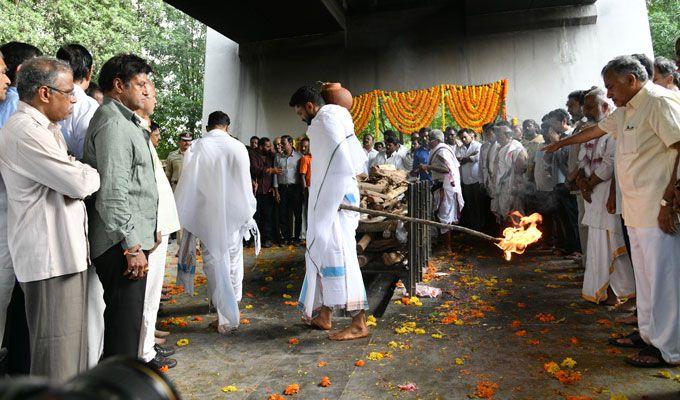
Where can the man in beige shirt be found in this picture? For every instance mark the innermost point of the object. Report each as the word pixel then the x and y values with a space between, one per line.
pixel 47 219
pixel 175 160
pixel 646 127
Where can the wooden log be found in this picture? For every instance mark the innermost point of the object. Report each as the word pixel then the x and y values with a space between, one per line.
pixel 379 186
pixel 383 245
pixel 393 258
pixel 377 227
pixel 363 243
pixel 364 259
pixel 394 193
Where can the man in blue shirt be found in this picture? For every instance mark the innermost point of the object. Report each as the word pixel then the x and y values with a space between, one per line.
pixel 14 53
pixel 420 155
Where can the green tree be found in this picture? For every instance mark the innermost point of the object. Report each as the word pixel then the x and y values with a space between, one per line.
pixel 664 23
pixel 172 42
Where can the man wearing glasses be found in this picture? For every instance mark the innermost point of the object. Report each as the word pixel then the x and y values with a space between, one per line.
pixel 47 218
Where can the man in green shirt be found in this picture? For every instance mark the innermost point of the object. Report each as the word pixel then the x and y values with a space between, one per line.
pixel 122 215
pixel 175 160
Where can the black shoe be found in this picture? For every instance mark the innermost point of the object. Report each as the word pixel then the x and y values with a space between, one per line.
pixel 267 244
pixel 159 362
pixel 163 350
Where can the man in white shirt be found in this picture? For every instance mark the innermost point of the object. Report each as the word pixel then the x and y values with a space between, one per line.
pixel 168 222
pixel 75 126
pixel 609 273
pixel 645 126
pixel 371 153
pixel 215 202
pixel 74 129
pixel 289 186
pixel 512 162
pixel 47 219
pixel 468 157
pixel 391 156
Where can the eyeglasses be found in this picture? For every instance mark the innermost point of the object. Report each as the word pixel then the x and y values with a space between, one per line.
pixel 69 93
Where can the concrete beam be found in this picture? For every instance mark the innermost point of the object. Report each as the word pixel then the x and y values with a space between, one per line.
pixel 538 18
pixel 337 11
pixel 294 43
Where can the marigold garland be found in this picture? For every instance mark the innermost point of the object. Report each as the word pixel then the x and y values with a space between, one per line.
pixel 469 106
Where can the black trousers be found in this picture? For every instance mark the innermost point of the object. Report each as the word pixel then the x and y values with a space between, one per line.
pixel 290 210
pixel 473 215
pixel 263 216
pixel 16 337
pixel 124 299
pixel 566 218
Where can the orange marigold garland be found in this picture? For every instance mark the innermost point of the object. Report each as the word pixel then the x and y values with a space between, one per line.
pixel 474 106
pixel 410 111
pixel 362 109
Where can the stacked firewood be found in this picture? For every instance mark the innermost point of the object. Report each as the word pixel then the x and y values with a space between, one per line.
pixel 383 190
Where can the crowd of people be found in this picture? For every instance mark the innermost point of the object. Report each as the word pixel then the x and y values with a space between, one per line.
pixel 90 208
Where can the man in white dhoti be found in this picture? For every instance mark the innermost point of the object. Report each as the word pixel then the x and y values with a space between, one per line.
pixel 445 169
pixel 609 273
pixel 333 279
pixel 509 176
pixel 646 126
pixel 216 204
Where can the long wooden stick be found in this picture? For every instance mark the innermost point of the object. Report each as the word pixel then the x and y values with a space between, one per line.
pixel 419 221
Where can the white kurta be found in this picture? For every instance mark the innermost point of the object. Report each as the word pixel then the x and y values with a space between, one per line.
pixel 168 222
pixel 215 202
pixel 448 200
pixel 333 278
pixel 608 263
pixel 508 183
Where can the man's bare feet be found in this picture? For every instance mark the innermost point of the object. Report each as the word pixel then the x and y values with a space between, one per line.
pixel 214 324
pixel 323 320
pixel 356 330
pixel 629 320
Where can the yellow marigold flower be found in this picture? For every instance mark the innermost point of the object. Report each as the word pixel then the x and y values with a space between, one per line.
pixel 618 397
pixel 437 335
pixel 182 342
pixel 375 356
pixel 459 361
pixel 393 344
pixel 419 331
pixel 371 321
pixel 269 278
pixel 286 296
pixel 551 367
pixel 289 286
pixel 665 374
pixel 568 363
pixel 249 307
pixel 230 388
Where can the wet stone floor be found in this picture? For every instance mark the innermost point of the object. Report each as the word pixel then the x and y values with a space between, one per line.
pixel 501 330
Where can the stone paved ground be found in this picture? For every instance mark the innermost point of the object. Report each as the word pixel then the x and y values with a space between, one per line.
pixel 496 324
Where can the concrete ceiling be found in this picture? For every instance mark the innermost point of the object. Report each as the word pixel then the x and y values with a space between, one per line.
pixel 257 21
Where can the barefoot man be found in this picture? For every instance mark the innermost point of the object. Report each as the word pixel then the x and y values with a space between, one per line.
pixel 333 279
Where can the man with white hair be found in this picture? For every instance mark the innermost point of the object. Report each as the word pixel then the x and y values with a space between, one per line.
pixel 646 126
pixel 509 178
pixel 445 169
pixel 47 219
pixel 609 273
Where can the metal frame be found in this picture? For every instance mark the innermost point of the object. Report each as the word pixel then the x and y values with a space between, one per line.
pixel 419 206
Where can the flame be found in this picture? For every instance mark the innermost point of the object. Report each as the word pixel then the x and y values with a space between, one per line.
pixel 524 232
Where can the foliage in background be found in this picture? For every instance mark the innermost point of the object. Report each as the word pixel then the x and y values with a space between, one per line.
pixel 664 23
pixel 172 42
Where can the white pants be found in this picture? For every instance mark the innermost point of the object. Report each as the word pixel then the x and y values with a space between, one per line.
pixel 607 265
pixel 152 299
pixel 656 261
pixel 95 317
pixel 225 283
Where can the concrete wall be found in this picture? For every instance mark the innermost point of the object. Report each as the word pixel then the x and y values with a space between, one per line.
pixel 542 66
